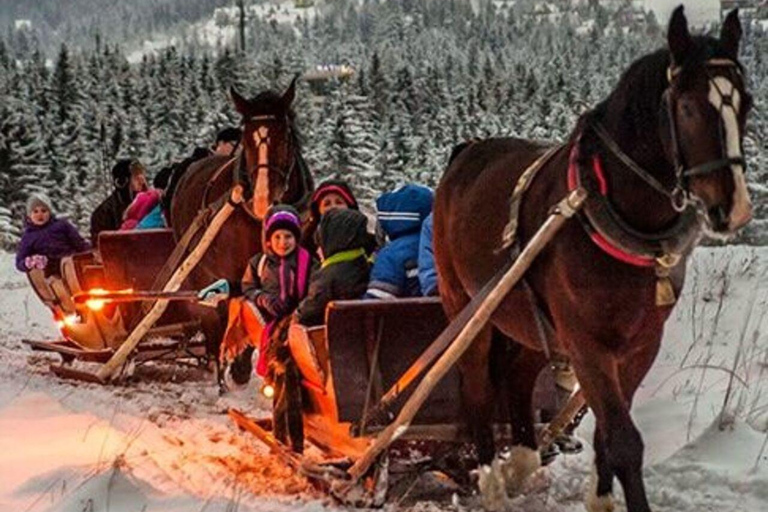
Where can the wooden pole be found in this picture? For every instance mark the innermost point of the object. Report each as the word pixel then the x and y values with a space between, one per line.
pixel 434 350
pixel 562 212
pixel 576 402
pixel 174 283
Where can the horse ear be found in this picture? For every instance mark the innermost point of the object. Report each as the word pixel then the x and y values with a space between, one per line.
pixel 290 93
pixel 730 34
pixel 678 37
pixel 241 104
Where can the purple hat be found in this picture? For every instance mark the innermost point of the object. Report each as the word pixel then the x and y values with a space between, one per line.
pixel 282 217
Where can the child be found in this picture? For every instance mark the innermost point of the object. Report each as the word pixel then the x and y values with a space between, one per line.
pixel 345 269
pixel 272 286
pixel 329 195
pixel 400 214
pixel 46 239
pixel 142 206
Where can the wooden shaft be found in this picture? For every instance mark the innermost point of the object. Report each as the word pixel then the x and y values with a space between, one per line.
pixel 564 210
pixel 563 418
pixel 136 296
pixel 174 283
pixel 436 348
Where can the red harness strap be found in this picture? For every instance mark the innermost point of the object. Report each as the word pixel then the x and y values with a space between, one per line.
pixel 599 240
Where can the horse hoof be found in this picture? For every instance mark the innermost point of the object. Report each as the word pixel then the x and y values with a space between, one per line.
pixel 517 466
pixel 595 503
pixel 490 483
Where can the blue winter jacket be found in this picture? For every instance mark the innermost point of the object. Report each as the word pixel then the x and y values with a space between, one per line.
pixel 153 220
pixel 400 215
pixel 427 272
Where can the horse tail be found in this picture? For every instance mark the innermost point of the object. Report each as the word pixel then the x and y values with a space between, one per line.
pixel 459 148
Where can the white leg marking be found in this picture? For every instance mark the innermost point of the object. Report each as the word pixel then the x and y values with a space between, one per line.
pixel 490 483
pixel 595 503
pixel 521 464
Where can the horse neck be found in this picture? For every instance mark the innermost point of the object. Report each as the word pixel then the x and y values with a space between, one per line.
pixel 298 186
pixel 636 201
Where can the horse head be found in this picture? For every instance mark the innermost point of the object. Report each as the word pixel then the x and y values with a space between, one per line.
pixel 269 144
pixel 702 120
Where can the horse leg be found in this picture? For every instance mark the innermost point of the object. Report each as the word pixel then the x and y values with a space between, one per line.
pixel 524 458
pixel 632 370
pixel 213 325
pixel 477 394
pixel 618 444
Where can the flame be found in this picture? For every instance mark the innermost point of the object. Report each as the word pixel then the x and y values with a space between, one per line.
pixel 67 321
pixel 95 304
pixel 71 320
pixel 98 304
pixel 268 391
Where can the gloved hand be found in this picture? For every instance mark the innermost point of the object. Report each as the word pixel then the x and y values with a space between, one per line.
pixel 273 305
pixel 214 292
pixel 38 261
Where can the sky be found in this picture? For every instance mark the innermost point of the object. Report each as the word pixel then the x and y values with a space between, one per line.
pixel 697 11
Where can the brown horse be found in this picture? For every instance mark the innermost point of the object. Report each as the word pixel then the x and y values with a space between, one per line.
pixel 662 161
pixel 270 168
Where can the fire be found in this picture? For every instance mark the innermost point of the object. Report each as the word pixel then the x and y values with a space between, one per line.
pixel 95 304
pixel 67 321
pixel 71 320
pixel 268 391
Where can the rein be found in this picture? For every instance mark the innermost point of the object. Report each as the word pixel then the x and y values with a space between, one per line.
pixel 680 196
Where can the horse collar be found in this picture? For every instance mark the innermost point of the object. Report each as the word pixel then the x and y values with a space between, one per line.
pixel 614 236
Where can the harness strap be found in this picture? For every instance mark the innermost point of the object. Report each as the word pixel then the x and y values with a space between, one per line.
pixel 714 165
pixel 613 235
pixel 627 160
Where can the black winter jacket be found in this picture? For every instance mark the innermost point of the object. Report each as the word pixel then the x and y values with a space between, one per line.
pixel 268 279
pixel 108 216
pixel 341 231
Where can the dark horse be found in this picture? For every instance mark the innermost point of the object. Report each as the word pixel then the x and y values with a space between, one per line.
pixel 271 169
pixel 662 161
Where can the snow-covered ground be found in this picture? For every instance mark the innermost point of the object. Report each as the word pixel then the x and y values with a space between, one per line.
pixel 162 443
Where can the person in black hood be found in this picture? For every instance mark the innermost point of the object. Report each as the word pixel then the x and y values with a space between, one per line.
pixel 345 269
pixel 176 173
pixel 128 177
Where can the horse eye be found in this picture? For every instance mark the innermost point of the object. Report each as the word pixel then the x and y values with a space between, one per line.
pixel 687 109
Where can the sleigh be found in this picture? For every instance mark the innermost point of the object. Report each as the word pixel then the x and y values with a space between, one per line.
pixel 125 260
pixel 379 384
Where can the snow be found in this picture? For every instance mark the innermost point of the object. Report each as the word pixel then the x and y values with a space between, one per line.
pixel 163 443
pixel 220 28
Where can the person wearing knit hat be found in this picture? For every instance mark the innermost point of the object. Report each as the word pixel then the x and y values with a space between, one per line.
pixel 282 217
pixel 227 141
pixel 46 239
pixel 129 177
pixel 273 284
pixel 330 195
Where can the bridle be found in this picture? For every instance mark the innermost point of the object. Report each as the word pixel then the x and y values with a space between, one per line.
pixel 681 196
pixel 264 141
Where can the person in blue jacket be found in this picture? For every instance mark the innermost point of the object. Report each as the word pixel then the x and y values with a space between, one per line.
pixel 427 271
pixel 400 214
